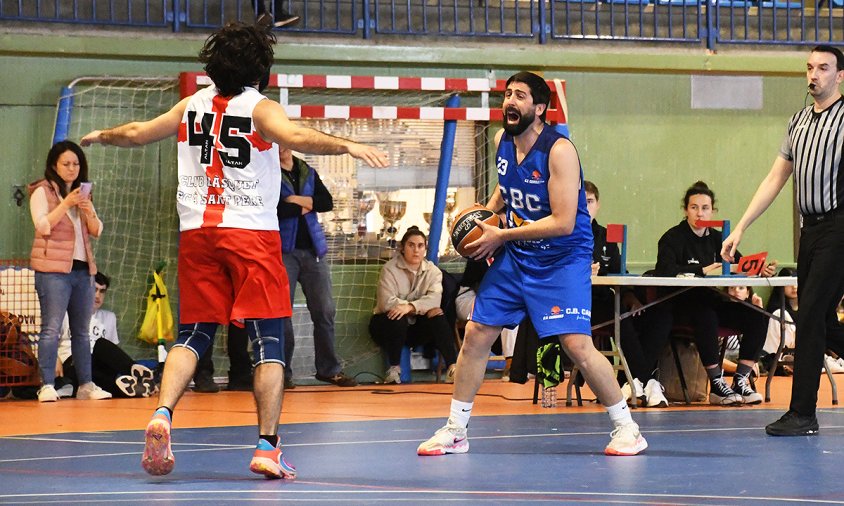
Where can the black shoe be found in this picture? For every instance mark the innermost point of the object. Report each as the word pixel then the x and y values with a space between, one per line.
pixel 793 424
pixel 288 383
pixel 205 385
pixel 239 385
pixel 339 379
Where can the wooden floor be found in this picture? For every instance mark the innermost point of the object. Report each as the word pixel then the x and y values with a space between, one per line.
pixel 311 404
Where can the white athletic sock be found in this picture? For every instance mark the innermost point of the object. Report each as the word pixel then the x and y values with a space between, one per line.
pixel 619 413
pixel 460 413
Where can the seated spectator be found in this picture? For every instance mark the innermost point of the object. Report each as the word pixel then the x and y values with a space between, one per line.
pixel 691 249
pixel 733 344
pixel 606 259
pixel 407 309
pixel 111 367
pixel 772 340
pixel 473 273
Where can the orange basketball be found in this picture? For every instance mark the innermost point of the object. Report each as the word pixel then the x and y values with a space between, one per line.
pixel 464 230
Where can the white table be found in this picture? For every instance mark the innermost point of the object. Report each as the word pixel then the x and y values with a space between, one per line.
pixel 684 284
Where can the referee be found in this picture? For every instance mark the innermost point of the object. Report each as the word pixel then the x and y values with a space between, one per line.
pixel 811 151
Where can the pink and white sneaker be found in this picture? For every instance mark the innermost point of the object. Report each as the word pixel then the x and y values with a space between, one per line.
pixel 449 439
pixel 626 441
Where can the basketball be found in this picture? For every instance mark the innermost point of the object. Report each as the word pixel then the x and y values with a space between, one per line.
pixel 464 230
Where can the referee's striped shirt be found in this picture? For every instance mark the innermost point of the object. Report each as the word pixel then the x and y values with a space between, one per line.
pixel 814 142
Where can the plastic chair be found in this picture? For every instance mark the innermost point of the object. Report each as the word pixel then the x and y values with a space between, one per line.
pixel 617 234
pixel 406 370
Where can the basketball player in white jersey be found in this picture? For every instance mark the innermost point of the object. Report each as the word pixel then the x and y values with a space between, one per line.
pixel 230 267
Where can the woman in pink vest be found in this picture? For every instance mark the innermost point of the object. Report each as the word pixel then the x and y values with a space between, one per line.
pixel 63 261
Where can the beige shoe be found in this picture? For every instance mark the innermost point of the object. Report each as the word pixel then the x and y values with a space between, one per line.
pixel 449 375
pixel 91 392
pixel 393 375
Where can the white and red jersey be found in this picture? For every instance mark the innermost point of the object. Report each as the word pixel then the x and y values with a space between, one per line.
pixel 229 176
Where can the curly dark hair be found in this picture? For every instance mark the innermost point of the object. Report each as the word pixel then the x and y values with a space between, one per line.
pixel 237 55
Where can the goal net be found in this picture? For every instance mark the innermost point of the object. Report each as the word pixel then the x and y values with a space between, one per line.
pixel 133 192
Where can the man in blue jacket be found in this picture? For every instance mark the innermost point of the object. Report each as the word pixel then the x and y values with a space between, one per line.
pixel 303 247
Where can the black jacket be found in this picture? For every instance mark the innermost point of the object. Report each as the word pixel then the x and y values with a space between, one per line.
pixel 607 254
pixel 682 251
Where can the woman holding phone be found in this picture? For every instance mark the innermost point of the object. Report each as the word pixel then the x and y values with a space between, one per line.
pixel 63 261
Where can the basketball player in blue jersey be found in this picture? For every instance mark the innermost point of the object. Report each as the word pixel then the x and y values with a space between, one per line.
pixel 543 269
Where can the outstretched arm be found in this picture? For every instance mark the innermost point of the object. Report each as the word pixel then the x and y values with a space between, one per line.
pixel 274 125
pixel 762 199
pixel 140 133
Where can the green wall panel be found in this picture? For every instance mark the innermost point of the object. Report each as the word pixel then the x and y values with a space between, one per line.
pixel 630 115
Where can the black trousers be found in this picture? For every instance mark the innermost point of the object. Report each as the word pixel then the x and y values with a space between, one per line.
pixel 108 361
pixel 820 276
pixel 240 364
pixel 704 311
pixel 643 337
pixel 393 335
pixel 205 365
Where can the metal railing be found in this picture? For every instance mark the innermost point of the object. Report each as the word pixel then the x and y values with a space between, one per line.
pixel 709 22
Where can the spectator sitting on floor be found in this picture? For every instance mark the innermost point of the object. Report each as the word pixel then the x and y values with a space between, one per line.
pixel 407 310
pixel 111 367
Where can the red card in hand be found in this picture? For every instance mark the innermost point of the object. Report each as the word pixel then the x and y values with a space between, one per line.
pixel 752 265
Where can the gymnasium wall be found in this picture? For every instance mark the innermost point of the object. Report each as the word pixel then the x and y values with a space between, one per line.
pixel 630 113
pixel 631 119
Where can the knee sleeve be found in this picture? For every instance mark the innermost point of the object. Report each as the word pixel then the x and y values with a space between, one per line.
pixel 267 337
pixel 197 337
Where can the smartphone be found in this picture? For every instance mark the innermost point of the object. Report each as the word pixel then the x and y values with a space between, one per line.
pixel 85 189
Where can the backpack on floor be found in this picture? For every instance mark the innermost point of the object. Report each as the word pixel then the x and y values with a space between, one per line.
pixel 697 381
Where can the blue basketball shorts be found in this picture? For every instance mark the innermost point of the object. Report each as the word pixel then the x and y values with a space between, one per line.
pixel 557 298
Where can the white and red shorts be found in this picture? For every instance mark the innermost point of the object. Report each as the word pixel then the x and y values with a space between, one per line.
pixel 231 274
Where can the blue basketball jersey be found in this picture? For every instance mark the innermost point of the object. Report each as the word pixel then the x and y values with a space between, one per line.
pixel 524 188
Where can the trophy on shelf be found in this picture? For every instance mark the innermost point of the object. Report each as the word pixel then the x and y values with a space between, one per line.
pixel 450 205
pixel 392 211
pixel 365 204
